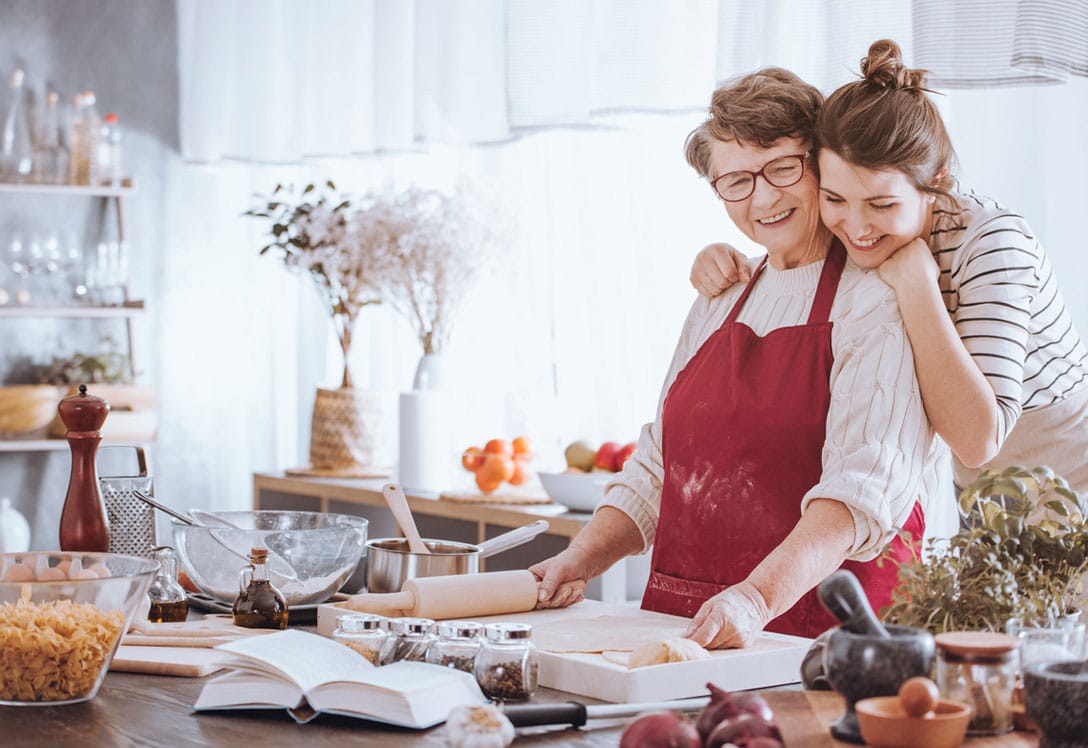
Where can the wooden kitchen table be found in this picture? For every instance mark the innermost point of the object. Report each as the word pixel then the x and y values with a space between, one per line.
pixel 150 710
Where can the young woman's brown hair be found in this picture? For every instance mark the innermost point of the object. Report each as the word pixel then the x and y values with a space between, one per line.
pixel 886 121
pixel 758 109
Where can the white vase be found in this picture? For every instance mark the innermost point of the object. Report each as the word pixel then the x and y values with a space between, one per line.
pixel 14 529
pixel 431 373
pixel 426 429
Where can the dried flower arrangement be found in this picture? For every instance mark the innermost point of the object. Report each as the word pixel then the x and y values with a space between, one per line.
pixel 1022 553
pixel 419 250
pixel 319 232
pixel 435 244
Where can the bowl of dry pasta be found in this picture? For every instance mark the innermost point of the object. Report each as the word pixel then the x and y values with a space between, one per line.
pixel 62 616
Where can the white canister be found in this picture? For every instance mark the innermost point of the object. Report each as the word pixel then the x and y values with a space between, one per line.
pixel 14 529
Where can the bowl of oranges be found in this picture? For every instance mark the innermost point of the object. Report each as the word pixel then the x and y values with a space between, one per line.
pixel 500 462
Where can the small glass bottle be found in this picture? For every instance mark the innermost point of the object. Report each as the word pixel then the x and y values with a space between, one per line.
pixel 507 665
pixel 979 668
pixel 16 149
pixel 259 605
pixel 50 154
pixel 408 639
pixel 86 130
pixel 168 601
pixel 363 633
pixel 456 645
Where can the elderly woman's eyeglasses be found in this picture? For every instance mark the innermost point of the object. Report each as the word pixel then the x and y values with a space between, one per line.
pixel 734 186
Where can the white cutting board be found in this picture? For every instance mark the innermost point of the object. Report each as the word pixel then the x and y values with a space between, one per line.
pixel 774 660
pixel 192 662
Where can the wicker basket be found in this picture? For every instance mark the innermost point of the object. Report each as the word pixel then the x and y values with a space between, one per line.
pixel 349 433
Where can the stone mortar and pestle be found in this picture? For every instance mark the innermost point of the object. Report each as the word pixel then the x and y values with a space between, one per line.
pixel 1055 695
pixel 863 657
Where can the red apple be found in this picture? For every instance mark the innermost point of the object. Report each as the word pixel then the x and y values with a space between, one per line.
pixel 622 454
pixel 606 456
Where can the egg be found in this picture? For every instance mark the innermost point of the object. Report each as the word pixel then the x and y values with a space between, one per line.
pixel 100 570
pixel 19 573
pixel 64 566
pixel 918 696
pixel 85 574
pixel 51 574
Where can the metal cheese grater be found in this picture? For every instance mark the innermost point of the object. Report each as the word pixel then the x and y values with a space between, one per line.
pixel 132 522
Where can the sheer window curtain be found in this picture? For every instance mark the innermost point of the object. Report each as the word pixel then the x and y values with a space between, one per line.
pixel 572 115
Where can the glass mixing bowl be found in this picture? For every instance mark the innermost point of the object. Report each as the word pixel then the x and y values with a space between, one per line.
pixel 61 618
pixel 311 554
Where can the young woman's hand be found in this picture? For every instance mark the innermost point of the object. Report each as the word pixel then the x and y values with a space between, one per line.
pixel 717 267
pixel 911 267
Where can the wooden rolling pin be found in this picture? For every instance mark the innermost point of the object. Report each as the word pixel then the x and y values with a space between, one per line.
pixel 454 596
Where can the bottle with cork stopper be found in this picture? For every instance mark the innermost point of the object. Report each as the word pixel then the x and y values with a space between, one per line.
pixel 259 604
pixel 83 522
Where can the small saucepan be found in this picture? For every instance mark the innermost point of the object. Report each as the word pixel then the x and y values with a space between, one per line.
pixel 389 563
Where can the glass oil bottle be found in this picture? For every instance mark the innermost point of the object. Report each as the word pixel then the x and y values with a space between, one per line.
pixel 259 605
pixel 168 601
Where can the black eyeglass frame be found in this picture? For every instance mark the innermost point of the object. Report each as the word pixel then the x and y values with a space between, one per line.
pixel 761 173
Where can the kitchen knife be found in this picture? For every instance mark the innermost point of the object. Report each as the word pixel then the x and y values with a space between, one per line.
pixel 575 713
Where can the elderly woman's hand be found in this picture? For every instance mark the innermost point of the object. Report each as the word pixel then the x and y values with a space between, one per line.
pixel 717 267
pixel 911 267
pixel 562 578
pixel 732 618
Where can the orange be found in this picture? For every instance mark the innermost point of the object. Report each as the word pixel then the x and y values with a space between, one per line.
pixel 522 472
pixel 498 446
pixel 523 445
pixel 485 485
pixel 473 459
pixel 496 467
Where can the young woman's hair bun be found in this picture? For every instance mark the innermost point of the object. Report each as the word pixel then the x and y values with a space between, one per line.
pixel 884 67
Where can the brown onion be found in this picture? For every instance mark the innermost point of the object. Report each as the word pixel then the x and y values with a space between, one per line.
pixel 660 730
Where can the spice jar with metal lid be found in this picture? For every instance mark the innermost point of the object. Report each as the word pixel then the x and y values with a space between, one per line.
pixel 456 645
pixel 507 664
pixel 363 633
pixel 408 639
pixel 979 668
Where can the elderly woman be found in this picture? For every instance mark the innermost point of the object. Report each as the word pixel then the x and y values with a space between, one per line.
pixel 790 439
pixel 1003 372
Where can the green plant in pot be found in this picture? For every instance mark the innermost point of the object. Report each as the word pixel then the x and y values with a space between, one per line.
pixel 1020 553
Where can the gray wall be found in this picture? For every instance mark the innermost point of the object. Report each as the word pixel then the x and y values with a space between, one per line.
pixel 126 52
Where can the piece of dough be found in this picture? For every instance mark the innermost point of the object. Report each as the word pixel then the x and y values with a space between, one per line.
pixel 668 650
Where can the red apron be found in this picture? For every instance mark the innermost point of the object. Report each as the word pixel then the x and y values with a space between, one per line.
pixel 742 440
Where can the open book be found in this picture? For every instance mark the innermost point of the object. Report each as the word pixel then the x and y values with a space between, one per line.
pixel 307 674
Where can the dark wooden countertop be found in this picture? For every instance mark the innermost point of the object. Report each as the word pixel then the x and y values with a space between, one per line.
pixel 144 710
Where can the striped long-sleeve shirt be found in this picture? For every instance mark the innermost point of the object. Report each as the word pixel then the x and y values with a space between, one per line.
pixel 880 454
pixel 1000 289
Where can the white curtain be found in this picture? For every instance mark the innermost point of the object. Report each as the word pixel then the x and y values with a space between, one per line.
pixel 987 43
pixel 572 115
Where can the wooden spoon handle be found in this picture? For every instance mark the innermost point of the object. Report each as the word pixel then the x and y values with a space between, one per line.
pixel 398 505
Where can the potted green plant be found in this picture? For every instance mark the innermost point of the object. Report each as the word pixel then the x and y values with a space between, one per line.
pixel 1020 553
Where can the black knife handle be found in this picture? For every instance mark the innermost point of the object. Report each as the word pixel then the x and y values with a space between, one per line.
pixel 564 713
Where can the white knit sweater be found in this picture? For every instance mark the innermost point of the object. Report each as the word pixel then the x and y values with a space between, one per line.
pixel 880 455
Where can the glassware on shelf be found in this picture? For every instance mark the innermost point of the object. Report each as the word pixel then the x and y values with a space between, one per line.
pixel 50 154
pixel 19 277
pixel 107 274
pixel 85 133
pixel 109 151
pixel 16 150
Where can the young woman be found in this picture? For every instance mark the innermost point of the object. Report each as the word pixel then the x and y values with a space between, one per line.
pixel 1002 369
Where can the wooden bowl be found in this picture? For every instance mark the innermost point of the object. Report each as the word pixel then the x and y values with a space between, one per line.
pixel 885 724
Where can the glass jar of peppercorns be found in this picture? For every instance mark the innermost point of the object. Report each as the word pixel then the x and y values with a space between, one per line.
pixel 408 640
pixel 363 633
pixel 456 645
pixel 507 664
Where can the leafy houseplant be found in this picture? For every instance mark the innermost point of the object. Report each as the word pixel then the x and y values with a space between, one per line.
pixel 1020 553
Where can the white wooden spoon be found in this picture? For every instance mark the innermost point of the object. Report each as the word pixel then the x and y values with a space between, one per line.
pixel 398 505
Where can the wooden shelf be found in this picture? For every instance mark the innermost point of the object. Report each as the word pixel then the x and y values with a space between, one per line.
pixel 128 309
pixel 98 190
pixel 53 445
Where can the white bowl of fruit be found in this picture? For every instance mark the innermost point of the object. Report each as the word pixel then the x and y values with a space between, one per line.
pixel 589 469
pixel 500 462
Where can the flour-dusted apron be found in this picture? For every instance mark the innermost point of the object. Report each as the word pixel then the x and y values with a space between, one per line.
pixel 742 438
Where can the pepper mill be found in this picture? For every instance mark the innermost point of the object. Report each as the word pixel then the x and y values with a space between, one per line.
pixel 83 523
